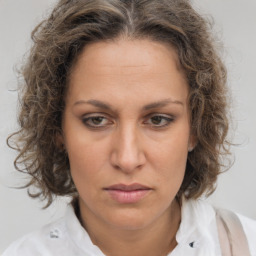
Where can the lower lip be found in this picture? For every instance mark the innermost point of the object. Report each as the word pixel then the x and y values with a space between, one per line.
pixel 128 197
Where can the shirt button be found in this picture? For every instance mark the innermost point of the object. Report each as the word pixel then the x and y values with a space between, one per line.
pixel 54 233
pixel 194 244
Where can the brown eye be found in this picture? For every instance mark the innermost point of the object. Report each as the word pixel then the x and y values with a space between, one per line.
pixel 156 120
pixel 95 121
pixel 159 121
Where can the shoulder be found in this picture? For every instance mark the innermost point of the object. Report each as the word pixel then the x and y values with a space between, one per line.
pixel 40 242
pixel 249 226
pixel 64 237
pixel 199 223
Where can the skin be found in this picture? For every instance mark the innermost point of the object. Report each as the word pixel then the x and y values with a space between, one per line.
pixel 127 121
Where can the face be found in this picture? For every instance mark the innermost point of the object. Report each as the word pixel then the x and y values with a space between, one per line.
pixel 126 130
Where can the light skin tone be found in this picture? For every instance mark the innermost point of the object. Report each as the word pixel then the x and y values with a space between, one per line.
pixel 126 121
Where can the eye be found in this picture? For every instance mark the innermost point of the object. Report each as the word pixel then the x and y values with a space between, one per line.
pixel 96 121
pixel 159 121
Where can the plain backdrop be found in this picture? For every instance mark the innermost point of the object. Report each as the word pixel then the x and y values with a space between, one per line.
pixel 235 25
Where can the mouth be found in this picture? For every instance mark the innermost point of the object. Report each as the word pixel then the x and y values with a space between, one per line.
pixel 128 194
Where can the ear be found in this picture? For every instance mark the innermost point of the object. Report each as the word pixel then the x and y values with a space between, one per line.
pixel 192 142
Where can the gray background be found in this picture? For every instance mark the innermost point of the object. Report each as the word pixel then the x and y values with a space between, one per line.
pixel 235 24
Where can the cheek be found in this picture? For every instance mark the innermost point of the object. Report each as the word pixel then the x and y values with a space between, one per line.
pixel 86 160
pixel 85 168
pixel 171 170
pixel 169 159
pixel 173 148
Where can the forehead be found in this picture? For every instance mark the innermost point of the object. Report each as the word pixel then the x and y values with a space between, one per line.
pixel 127 56
pixel 128 67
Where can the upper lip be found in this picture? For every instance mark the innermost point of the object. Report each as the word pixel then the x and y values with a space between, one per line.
pixel 131 187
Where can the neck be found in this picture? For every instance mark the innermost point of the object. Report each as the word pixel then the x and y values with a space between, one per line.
pixel 156 239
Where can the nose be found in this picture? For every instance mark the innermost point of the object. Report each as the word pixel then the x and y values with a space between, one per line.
pixel 127 150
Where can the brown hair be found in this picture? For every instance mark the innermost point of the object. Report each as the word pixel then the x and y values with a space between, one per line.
pixel 59 40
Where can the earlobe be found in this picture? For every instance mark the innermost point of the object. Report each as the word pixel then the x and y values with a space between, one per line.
pixel 190 149
pixel 192 143
pixel 60 141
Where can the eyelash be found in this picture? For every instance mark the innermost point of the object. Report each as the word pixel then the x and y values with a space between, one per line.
pixel 167 119
pixel 88 121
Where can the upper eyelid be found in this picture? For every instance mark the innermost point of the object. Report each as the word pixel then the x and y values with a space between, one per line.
pixel 96 114
pixel 166 118
pixel 160 114
pixel 106 115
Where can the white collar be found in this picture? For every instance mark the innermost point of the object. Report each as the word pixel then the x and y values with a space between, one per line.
pixel 197 230
pixel 197 222
pixel 79 235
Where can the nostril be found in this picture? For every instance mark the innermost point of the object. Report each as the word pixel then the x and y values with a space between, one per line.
pixel 127 152
pixel 127 163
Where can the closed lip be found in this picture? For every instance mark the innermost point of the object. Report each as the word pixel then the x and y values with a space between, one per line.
pixel 128 194
pixel 127 188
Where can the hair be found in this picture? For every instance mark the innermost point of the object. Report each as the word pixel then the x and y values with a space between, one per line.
pixel 58 42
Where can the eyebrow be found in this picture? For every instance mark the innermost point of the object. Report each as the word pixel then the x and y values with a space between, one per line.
pixel 153 105
pixel 162 103
pixel 96 103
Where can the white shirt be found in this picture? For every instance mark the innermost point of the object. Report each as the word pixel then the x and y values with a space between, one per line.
pixel 197 235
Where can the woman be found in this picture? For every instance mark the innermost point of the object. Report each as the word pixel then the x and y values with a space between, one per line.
pixel 124 108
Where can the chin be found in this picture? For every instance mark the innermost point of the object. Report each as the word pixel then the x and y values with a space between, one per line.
pixel 130 219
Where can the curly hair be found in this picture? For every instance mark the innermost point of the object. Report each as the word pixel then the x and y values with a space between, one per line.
pixel 58 42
